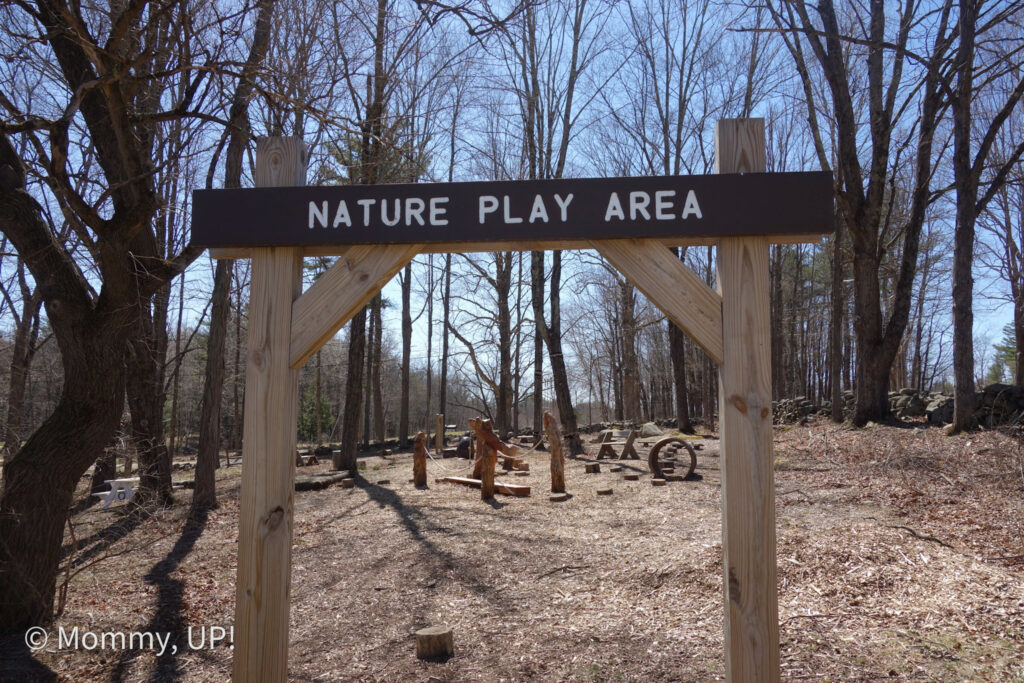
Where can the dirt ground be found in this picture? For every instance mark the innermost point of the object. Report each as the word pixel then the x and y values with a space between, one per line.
pixel 899 557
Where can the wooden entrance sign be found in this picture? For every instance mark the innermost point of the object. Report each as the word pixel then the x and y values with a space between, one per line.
pixel 377 230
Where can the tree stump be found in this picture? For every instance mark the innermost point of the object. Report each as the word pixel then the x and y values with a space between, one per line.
pixel 631 476
pixel 592 468
pixel 419 460
pixel 435 642
pixel 557 457
pixel 348 483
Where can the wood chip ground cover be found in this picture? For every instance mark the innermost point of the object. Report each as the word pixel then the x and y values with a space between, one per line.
pixel 889 542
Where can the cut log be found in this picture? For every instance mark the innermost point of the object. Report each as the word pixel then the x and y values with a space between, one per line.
pixel 499 486
pixel 604 492
pixel 521 473
pixel 419 459
pixel 615 469
pixel 449 452
pixel 558 497
pixel 657 481
pixel 557 457
pixel 348 483
pixel 592 468
pixel 435 642
pixel 631 476
pixel 522 465
pixel 383 482
pixel 674 477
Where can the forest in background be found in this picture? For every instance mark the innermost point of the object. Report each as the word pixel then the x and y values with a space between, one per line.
pixel 114 326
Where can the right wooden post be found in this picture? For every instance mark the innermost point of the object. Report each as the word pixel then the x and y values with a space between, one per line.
pixel 745 428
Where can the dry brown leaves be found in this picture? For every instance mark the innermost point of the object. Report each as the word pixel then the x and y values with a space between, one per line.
pixel 624 587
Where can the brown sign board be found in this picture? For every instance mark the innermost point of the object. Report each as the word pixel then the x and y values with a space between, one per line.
pixel 522 210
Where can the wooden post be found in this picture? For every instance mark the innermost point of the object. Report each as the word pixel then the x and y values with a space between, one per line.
pixel 439 434
pixel 489 458
pixel 419 460
pixel 268 445
pixel 745 425
pixel 557 458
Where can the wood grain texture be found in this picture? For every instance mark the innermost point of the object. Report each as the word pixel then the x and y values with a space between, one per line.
pixel 339 293
pixel 745 414
pixel 472 247
pixel 684 297
pixel 262 591
pixel 557 457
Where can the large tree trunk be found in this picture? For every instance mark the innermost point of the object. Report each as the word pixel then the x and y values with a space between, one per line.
pixel 345 456
pixel 147 351
pixel 205 495
pixel 40 480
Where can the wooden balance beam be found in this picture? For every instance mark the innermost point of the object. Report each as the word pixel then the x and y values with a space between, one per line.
pixel 500 487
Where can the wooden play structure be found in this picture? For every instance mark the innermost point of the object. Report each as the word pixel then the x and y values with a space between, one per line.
pixel 657 463
pixel 628 451
pixel 629 221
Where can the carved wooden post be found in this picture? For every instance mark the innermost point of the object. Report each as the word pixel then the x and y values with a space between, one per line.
pixel 745 417
pixel 557 458
pixel 489 458
pixel 419 459
pixel 268 445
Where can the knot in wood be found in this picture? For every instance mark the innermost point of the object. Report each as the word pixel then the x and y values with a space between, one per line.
pixel 274 519
pixel 734 586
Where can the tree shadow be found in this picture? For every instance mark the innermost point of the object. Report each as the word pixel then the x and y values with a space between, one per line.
pixel 168 617
pixel 91 546
pixel 18 664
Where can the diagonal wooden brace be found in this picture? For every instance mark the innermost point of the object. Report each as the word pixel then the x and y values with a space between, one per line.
pixel 338 294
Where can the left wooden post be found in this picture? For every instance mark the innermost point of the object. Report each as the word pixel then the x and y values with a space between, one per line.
pixel 263 585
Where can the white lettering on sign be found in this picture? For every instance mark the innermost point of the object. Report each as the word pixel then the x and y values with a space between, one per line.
pixel 539 211
pixel 691 206
pixel 614 208
pixel 315 214
pixel 437 212
pixel 638 202
pixel 663 204
pixel 563 205
pixel 414 209
pixel 488 204
pixel 509 218
pixel 341 215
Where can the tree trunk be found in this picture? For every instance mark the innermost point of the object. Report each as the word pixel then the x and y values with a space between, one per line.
pixel 40 480
pixel 367 371
pixel 26 332
pixel 345 456
pixel 677 353
pixel 537 300
pixel 403 410
pixel 553 338
pixel 630 369
pixel 375 379
pixel 146 394
pixel 204 497
pixel 442 390
pixel 835 330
